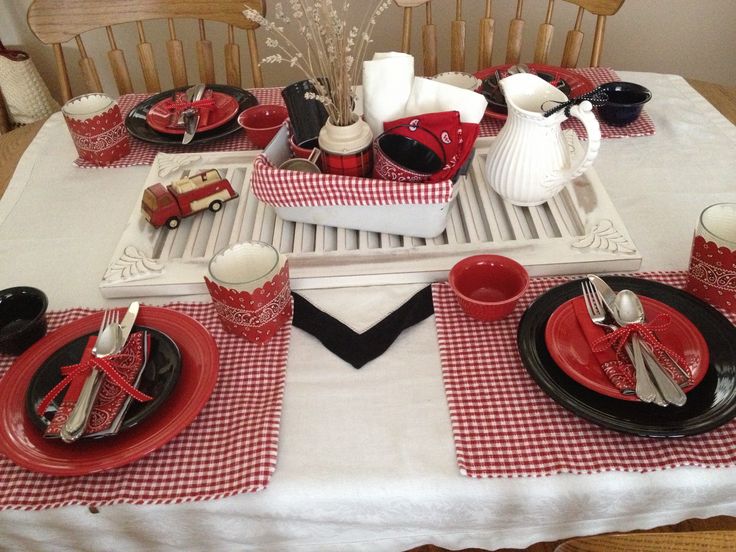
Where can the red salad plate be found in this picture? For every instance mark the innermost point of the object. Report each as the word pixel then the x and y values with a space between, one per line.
pixel 23 443
pixel 572 353
pixel 226 107
pixel 575 83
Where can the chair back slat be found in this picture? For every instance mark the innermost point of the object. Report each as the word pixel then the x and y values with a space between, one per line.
pixel 485 37
pixel 544 36
pixel 429 42
pixel 56 22
pixel 457 32
pixel 205 56
pixel 177 62
pixel 88 67
pixel 147 61
pixel 573 42
pixel 118 64
pixel 516 35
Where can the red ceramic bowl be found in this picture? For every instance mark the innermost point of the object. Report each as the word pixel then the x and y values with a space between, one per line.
pixel 262 122
pixel 487 287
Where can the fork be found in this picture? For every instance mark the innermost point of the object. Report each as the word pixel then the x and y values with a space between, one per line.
pixel 645 389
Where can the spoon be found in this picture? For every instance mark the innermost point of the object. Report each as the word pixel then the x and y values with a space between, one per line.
pixel 631 310
pixel 627 312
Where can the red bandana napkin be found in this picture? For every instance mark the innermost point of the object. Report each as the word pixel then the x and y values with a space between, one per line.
pixel 112 401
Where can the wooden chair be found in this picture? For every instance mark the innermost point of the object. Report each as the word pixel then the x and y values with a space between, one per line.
pixel 601 9
pixel 56 22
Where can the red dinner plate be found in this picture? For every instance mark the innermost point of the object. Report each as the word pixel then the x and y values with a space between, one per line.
pixel 23 443
pixel 571 351
pixel 226 107
pixel 577 83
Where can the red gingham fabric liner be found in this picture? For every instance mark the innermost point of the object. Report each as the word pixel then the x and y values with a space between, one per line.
pixel 211 458
pixel 291 188
pixel 643 126
pixel 143 153
pixel 504 425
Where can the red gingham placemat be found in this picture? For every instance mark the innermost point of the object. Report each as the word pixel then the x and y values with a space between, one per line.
pixel 643 126
pixel 143 153
pixel 504 425
pixel 213 457
pixel 289 188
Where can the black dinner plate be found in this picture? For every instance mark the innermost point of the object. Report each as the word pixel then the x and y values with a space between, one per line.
pixel 136 123
pixel 709 405
pixel 158 379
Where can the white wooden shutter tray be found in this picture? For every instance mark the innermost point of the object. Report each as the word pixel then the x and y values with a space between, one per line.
pixel 578 231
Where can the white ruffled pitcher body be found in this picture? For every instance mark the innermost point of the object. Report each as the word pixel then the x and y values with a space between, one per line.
pixel 531 160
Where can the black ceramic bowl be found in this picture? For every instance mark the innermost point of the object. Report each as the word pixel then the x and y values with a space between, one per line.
pixel 22 318
pixel 410 154
pixel 494 95
pixel 625 102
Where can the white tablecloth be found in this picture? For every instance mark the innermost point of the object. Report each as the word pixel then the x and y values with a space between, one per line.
pixel 366 458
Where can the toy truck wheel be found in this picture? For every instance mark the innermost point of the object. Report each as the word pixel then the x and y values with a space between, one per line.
pixel 215 205
pixel 173 222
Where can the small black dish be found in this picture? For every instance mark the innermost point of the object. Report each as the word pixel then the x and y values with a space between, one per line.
pixel 158 379
pixel 22 318
pixel 625 102
pixel 410 153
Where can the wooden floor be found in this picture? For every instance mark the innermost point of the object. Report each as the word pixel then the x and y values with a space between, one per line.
pixel 719 523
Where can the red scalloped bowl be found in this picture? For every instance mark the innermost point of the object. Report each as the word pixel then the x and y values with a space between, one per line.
pixel 262 122
pixel 488 287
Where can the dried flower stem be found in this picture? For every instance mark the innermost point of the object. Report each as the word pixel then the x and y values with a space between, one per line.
pixel 331 49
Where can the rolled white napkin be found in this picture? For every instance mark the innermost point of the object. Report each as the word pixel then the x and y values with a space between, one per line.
pixel 387 84
pixel 430 96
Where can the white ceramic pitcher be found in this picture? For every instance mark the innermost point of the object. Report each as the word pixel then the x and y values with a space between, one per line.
pixel 531 160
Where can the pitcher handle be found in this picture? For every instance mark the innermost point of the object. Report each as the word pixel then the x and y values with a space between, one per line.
pixel 584 112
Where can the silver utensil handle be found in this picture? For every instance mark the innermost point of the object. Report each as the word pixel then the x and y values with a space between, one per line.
pixel 645 388
pixel 671 392
pixel 75 424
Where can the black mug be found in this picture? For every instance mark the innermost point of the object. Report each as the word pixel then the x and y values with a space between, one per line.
pixel 307 117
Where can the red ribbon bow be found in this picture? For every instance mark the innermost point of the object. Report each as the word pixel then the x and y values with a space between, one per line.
pixel 106 364
pixel 618 338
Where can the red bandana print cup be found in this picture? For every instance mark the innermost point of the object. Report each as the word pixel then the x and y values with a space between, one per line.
pixel 249 286
pixel 96 125
pixel 712 272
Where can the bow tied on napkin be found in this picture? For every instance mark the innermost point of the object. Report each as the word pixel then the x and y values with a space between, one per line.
pixel 608 348
pixel 122 372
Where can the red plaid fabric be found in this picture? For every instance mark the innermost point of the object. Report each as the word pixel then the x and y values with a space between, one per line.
pixel 643 126
pixel 504 425
pixel 230 448
pixel 291 188
pixel 143 153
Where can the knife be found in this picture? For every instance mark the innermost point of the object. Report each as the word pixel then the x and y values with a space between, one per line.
pixel 79 416
pixel 191 115
pixel 667 387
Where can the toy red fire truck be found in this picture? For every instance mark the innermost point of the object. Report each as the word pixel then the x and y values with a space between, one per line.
pixel 182 198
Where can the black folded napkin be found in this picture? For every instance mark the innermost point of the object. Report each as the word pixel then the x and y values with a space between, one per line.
pixel 360 348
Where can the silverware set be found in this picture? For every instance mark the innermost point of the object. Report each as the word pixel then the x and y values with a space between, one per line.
pixel 612 311
pixel 111 339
